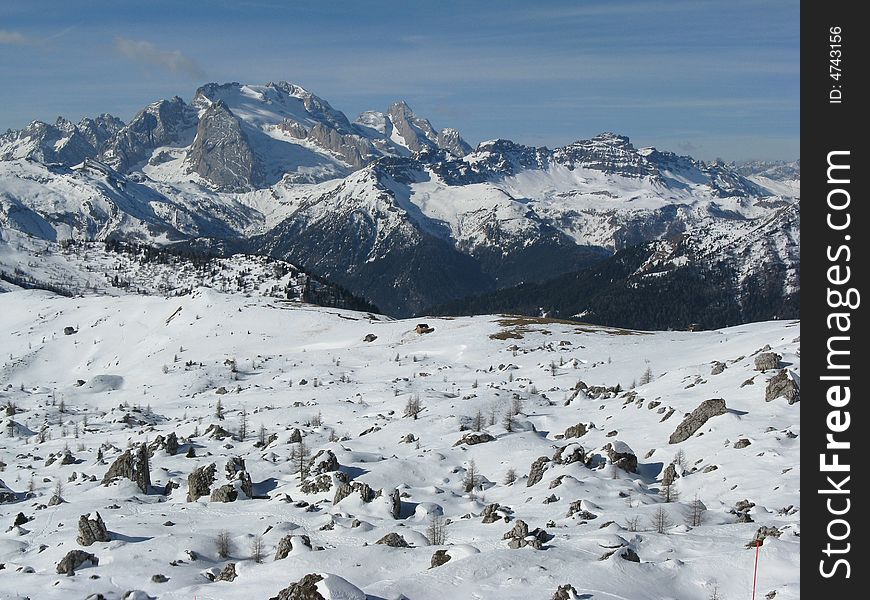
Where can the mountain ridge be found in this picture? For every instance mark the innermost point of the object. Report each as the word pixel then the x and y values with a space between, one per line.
pixel 401 213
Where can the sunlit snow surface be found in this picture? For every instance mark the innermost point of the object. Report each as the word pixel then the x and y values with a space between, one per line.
pixel 170 355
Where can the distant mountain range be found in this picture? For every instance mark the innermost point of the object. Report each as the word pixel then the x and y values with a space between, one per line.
pixel 414 219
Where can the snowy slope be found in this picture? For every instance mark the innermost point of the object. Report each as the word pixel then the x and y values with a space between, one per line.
pixel 150 366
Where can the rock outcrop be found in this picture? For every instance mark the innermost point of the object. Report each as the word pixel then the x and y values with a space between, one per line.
pixel 536 471
pixel 575 431
pixel 520 536
pixel 134 467
pixel 696 419
pixel 343 491
pixel 200 481
pixel 782 386
pixel 621 455
pixel 439 558
pixel 472 438
pixel 565 592
pixel 221 152
pixel 309 587
pixel 75 559
pixel 288 542
pixel 394 540
pixel 767 361
pixel 92 529
pixel 569 454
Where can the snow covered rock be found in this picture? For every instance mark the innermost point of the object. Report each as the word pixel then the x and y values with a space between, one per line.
pixel 439 558
pixel 621 455
pixel 575 431
pixel 520 536
pixel 495 512
pixel 291 542
pixel 629 555
pixel 132 467
pixel 323 462
pixel 395 502
pixel 669 475
pixel 92 529
pixel 6 494
pixel 200 481
pixel 536 471
pixel 767 361
pixel 321 586
pixel 763 533
pixel 394 540
pixel 75 559
pixel 565 592
pixel 136 595
pixel 365 492
pixel 576 508
pixel 696 419
pixel 168 443
pixel 228 573
pixel 224 493
pixel 565 455
pixel 782 386
pixel 239 477
pixel 470 439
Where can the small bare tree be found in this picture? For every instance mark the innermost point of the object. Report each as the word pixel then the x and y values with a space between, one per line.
pixel 437 530
pixel 300 455
pixel 714 591
pixel 224 544
pixel 219 410
pixel 647 376
pixel 261 436
pixel 632 523
pixel 696 512
pixel 680 460
pixel 661 520
pixel 243 425
pixel 668 493
pixel 508 421
pixel 257 549
pixel 413 407
pixel 510 476
pixel 58 489
pixel 471 476
pixel 477 423
pixel 516 405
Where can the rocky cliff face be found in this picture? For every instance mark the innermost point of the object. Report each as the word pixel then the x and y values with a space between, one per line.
pixel 60 143
pixel 221 153
pixel 163 123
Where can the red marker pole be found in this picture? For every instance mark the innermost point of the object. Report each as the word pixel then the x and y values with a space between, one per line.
pixel 755 575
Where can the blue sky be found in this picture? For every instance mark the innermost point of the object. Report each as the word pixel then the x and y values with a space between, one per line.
pixel 711 79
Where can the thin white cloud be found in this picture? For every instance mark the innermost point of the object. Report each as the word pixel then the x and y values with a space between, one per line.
pixel 171 60
pixel 13 38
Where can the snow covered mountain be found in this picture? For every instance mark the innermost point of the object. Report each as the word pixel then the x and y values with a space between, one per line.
pixel 386 205
pixel 221 446
pixel 717 275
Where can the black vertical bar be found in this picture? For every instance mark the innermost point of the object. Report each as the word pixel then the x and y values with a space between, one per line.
pixel 834 257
